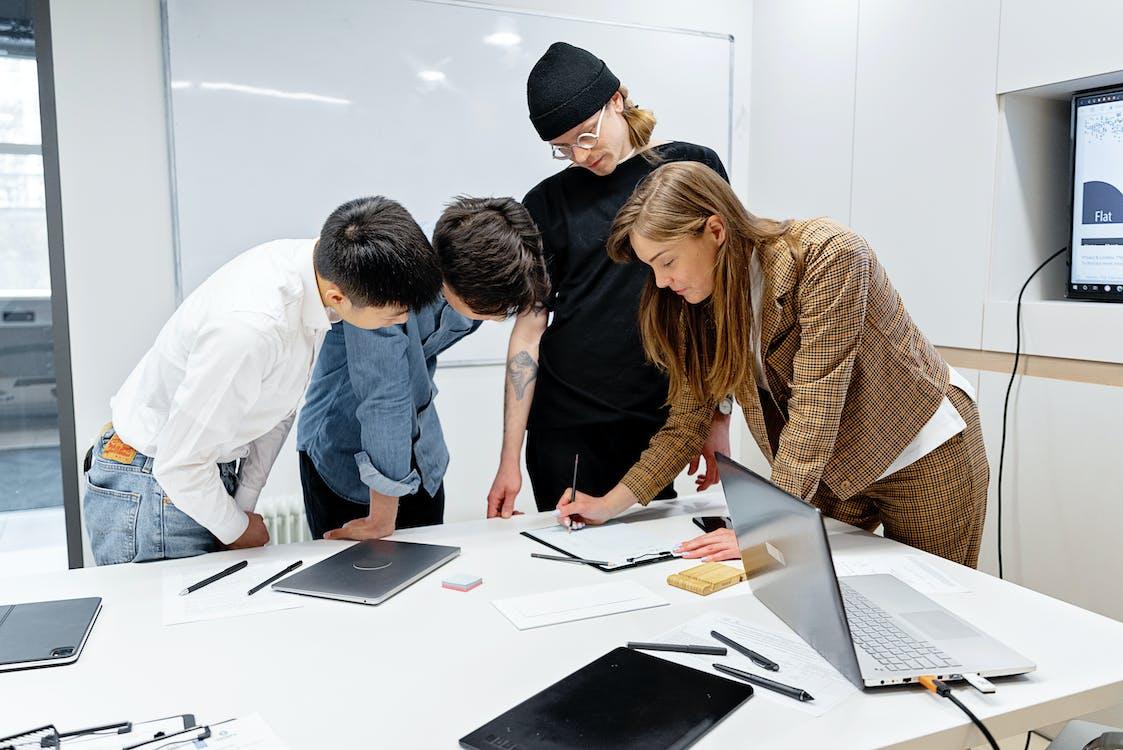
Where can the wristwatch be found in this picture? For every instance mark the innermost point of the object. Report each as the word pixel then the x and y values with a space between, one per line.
pixel 725 406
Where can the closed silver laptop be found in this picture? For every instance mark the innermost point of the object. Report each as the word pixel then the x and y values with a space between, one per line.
pixel 874 629
pixel 368 572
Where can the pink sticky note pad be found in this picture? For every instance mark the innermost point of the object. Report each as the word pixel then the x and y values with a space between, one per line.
pixel 461 582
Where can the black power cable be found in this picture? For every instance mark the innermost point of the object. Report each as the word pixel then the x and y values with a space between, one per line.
pixel 1009 387
pixel 942 690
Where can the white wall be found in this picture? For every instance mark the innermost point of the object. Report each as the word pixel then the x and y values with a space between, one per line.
pixel 860 113
pixel 1063 488
pixel 116 210
pixel 924 151
pixel 802 125
pixel 117 219
pixel 1045 41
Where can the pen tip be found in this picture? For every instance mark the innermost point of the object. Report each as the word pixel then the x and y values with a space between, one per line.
pixel 183 593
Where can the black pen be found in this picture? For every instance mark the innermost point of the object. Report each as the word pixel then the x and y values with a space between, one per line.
pixel 573 489
pixel 764 682
pixel 683 648
pixel 560 558
pixel 758 659
pixel 208 581
pixel 274 577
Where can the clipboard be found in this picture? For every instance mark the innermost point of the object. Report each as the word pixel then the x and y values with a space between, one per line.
pixel 631 562
pixel 105 737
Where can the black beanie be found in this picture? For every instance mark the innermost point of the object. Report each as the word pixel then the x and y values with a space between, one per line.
pixel 565 87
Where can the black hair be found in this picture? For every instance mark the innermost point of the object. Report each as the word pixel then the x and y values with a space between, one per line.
pixel 491 255
pixel 373 250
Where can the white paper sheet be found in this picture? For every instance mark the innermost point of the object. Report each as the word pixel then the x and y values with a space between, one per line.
pixel 580 603
pixel 613 542
pixel 225 597
pixel 247 733
pixel 800 665
pixel 911 569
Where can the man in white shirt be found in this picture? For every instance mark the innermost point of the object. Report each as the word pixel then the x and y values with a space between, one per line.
pixel 223 380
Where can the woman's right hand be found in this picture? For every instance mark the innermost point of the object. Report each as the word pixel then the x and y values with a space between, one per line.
pixel 717 545
pixel 504 490
pixel 590 509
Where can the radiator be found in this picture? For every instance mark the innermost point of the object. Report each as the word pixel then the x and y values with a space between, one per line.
pixel 284 517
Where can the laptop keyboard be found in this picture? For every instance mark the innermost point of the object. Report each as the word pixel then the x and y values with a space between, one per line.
pixel 875 632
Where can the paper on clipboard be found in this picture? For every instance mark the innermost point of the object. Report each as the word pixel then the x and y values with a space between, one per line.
pixel 620 544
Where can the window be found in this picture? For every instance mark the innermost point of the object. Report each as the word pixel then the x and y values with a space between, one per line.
pixel 24 267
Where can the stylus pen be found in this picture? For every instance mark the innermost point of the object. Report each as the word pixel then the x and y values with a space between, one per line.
pixel 767 684
pixel 217 576
pixel 274 577
pixel 681 648
pixel 559 558
pixel 758 659
pixel 573 490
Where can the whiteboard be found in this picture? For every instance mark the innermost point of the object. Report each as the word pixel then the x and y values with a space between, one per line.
pixel 280 110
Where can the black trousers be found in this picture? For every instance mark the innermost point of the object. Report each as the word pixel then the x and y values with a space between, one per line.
pixel 327 510
pixel 607 452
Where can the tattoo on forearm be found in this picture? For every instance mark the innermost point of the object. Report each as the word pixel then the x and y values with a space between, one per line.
pixel 521 371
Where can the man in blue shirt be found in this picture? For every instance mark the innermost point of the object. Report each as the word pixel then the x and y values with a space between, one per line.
pixel 369 434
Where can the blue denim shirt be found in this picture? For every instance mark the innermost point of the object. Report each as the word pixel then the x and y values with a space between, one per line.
pixel 368 418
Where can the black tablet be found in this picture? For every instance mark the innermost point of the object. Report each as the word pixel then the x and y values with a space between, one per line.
pixel 45 634
pixel 623 699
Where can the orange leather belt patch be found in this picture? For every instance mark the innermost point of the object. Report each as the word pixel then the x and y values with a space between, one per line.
pixel 117 450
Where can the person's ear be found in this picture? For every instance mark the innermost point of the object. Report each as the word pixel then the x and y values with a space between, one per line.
pixel 334 296
pixel 617 102
pixel 715 229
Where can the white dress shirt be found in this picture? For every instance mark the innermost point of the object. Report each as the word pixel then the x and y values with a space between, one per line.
pixel 223 381
pixel 945 424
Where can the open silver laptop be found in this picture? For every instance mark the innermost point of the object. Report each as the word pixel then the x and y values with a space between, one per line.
pixel 874 629
pixel 368 572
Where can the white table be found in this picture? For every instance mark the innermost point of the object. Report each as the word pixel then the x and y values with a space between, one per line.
pixel 431 664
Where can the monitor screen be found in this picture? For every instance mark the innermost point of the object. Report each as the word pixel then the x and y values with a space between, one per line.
pixel 1097 195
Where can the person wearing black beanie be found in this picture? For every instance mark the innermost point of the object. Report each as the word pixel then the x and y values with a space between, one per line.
pixel 577 380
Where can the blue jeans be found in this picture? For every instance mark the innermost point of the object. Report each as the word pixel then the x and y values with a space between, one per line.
pixel 130 519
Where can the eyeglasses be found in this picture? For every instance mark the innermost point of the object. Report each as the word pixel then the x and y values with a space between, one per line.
pixel 585 141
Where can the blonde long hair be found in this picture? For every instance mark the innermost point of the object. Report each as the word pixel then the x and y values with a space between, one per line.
pixel 707 346
pixel 640 121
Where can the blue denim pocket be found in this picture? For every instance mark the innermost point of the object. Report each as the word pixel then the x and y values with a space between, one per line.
pixel 111 507
pixel 182 535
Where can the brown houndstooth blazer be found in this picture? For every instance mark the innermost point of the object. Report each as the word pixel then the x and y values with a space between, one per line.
pixel 852 378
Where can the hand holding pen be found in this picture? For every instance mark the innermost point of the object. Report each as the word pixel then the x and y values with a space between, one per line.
pixel 567 511
pixel 579 509
pixel 570 522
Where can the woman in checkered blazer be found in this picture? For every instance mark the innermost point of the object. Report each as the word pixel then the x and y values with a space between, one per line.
pixel 853 407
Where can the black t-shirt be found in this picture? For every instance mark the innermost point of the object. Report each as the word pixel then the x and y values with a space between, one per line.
pixel 592 368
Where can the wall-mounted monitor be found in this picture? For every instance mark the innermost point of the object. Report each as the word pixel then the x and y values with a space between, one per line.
pixel 1096 271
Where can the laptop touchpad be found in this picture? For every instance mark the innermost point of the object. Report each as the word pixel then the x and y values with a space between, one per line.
pixel 939 624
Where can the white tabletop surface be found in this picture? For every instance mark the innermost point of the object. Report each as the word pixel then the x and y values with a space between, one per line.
pixel 431 664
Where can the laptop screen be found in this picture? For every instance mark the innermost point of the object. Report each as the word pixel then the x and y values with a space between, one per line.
pixel 784 548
